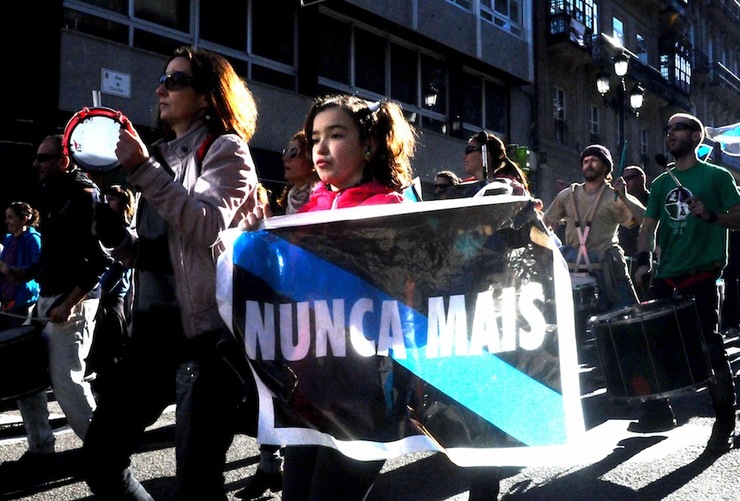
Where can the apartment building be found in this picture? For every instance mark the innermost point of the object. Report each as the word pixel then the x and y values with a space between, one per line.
pixel 526 70
pixel 681 55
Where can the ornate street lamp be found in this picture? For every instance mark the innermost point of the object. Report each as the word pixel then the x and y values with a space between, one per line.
pixel 634 99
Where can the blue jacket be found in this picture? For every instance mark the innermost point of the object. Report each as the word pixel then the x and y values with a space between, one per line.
pixel 27 259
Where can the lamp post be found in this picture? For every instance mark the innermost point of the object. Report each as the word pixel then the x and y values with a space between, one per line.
pixel 634 99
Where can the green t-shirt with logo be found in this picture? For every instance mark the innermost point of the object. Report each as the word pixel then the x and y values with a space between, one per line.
pixel 687 243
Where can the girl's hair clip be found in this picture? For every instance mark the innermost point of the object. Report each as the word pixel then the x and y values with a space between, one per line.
pixel 373 107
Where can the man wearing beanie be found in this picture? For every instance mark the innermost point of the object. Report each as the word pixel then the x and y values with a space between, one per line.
pixel 592 212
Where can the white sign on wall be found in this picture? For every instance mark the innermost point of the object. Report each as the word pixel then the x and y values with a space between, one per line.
pixel 115 83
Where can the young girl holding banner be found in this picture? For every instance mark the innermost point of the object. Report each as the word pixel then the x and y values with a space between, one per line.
pixel 362 152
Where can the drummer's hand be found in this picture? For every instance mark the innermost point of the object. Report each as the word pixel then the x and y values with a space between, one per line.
pixel 619 187
pixel 697 208
pixel 130 150
pixel 642 277
pixel 252 220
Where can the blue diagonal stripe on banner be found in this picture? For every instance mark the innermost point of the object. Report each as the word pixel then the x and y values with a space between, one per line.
pixel 485 384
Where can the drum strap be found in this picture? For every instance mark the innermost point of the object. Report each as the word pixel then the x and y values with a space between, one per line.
pixel 583 229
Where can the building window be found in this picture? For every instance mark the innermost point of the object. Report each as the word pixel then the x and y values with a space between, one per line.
pixel 580 10
pixel 593 123
pixel 618 30
pixel 641 48
pixel 370 49
pixel 484 104
pixel 229 31
pixel 173 14
pixel 465 4
pixel 675 63
pixel 359 60
pixel 559 115
pixel 506 14
pixel 245 32
pixel 643 141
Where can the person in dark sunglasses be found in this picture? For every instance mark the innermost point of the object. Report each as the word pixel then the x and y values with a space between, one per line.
pixel 300 174
pixel 443 181
pixel 634 179
pixel 69 267
pixel 193 183
pixel 692 233
pixel 177 80
pixel 501 168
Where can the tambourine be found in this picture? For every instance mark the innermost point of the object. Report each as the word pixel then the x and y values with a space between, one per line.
pixel 91 136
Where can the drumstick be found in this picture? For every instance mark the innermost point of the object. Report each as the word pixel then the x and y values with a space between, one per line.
pixel 14 315
pixel 663 162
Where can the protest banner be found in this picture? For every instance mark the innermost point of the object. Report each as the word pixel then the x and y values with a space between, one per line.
pixel 434 326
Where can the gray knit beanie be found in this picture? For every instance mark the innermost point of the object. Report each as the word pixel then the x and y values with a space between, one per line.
pixel 602 152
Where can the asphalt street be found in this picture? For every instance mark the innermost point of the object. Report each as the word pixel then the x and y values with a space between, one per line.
pixel 610 463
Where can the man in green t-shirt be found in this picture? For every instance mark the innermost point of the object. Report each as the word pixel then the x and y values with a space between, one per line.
pixel 691 205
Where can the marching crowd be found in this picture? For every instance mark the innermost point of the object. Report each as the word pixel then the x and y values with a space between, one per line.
pixel 99 273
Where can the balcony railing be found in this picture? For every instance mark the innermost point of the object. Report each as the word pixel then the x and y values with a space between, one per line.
pixel 726 78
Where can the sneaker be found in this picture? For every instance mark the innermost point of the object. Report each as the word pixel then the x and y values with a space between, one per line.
pixel 32 461
pixel 261 481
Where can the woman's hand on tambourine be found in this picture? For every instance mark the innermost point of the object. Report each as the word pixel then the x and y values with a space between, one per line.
pixel 130 150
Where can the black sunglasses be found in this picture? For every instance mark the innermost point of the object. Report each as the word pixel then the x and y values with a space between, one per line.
pixel 290 154
pixel 678 126
pixel 441 186
pixel 177 80
pixel 632 176
pixel 43 157
pixel 470 149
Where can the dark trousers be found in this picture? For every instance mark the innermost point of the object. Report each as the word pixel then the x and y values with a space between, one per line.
pixel 313 473
pixel 161 368
pixel 705 293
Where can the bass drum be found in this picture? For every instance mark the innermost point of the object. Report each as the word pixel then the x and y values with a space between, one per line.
pixel 652 350
pixel 23 362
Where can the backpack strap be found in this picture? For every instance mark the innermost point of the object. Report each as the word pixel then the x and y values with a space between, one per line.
pixel 203 149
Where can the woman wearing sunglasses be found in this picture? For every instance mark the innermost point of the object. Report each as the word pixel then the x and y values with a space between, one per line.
pixel 300 174
pixel 500 166
pixel 193 184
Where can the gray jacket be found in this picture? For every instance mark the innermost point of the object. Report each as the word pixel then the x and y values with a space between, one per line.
pixel 204 198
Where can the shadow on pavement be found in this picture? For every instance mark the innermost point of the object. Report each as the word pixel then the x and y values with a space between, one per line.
pixel 585 484
pixel 63 468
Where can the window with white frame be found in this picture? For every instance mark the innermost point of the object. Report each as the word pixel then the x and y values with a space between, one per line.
pixel 675 63
pixel 594 120
pixel 582 11
pixel 415 78
pixel 245 32
pixel 618 30
pixel 465 4
pixel 506 14
pixel 484 104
